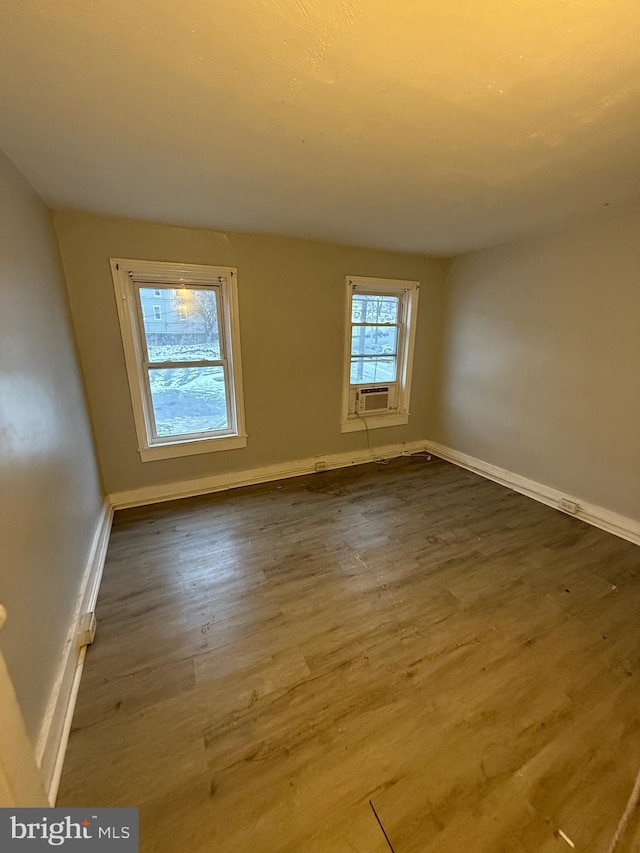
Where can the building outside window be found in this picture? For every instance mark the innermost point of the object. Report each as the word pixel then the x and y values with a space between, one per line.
pixel 183 358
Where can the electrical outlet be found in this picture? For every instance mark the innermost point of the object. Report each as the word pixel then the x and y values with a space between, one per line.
pixel 568 506
pixel 321 466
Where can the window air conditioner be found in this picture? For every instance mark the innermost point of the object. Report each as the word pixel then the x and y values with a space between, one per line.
pixel 370 400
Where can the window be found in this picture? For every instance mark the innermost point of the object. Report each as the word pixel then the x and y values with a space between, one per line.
pixel 379 343
pixel 184 374
pixel 157 293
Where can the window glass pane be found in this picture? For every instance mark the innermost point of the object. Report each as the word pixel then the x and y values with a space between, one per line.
pixel 188 399
pixel 366 370
pixel 187 326
pixel 374 340
pixel 369 308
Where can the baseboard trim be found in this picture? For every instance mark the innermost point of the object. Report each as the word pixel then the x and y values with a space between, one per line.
pixel 54 732
pixel 253 476
pixel 598 516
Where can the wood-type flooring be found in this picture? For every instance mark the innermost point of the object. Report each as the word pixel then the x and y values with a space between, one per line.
pixel 272 661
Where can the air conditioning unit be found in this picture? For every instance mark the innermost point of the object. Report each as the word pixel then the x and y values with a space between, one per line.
pixel 371 400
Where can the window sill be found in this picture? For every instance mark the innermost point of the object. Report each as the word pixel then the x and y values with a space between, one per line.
pixel 189 448
pixel 374 422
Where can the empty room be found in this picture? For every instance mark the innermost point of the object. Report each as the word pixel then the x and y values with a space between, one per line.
pixel 320 426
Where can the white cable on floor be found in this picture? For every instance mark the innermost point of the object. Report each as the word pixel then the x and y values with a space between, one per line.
pixel 624 820
pixel 373 458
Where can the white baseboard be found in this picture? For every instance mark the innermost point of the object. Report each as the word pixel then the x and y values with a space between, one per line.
pixel 54 732
pixel 598 516
pixel 252 476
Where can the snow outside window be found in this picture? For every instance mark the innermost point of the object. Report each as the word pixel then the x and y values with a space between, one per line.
pixel 183 362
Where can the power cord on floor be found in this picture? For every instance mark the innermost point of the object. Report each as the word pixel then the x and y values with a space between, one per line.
pixel 366 426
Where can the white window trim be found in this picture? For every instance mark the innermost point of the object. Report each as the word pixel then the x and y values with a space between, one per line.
pixel 124 272
pixel 400 415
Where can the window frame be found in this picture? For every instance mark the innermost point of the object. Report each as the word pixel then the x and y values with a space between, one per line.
pixel 408 310
pixel 129 276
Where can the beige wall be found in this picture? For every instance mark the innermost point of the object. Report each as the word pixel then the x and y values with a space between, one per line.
pixel 50 496
pixel 541 360
pixel 291 295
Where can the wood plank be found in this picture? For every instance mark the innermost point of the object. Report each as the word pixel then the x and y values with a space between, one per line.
pixel 271 659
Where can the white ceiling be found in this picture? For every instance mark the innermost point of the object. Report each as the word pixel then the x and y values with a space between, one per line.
pixel 427 125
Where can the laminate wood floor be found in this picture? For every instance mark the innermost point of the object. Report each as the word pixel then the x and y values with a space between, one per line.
pixel 273 660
